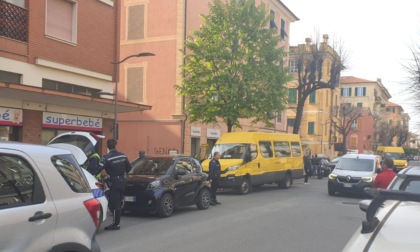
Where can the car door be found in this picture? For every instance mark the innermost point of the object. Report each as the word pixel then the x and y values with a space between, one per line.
pixel 28 215
pixel 186 181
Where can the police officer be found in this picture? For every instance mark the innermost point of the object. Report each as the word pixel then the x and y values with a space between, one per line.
pixel 214 177
pixel 115 164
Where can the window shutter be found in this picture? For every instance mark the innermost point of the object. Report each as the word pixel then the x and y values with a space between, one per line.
pixel 364 91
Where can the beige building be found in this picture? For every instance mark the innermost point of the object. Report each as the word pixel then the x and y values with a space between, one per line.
pixel 400 122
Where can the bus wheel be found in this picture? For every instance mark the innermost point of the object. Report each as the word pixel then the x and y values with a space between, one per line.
pixel 286 182
pixel 245 186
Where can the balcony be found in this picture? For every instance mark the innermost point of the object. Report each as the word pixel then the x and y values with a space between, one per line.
pixel 13 22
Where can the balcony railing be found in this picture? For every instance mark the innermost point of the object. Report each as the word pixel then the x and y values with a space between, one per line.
pixel 13 21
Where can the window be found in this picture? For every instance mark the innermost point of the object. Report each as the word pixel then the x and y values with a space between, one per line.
pixel 353 142
pixel 291 122
pixel 135 84
pixel 296 151
pixel 265 149
pixel 312 97
pixel 283 33
pixel 184 166
pixel 354 124
pixel 360 91
pixel 311 128
pixel 19 184
pixel 292 96
pixel 62 19
pixel 273 20
pixel 278 117
pixel 20 3
pixel 360 104
pixel 345 91
pixel 68 168
pixel 10 77
pixel 135 26
pixel 69 88
pixel 281 149
pixel 293 64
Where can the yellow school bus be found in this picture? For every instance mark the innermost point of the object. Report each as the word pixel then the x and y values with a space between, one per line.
pixel 395 153
pixel 255 158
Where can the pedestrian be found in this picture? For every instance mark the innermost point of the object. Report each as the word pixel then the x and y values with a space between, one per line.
pixel 115 165
pixel 307 168
pixel 214 177
pixel 142 154
pixel 387 174
pixel 92 164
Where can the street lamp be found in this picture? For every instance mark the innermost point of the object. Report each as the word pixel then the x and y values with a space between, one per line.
pixel 143 54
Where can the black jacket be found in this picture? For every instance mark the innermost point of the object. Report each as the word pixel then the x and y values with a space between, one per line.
pixel 214 169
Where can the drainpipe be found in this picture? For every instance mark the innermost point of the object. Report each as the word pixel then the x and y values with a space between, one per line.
pixel 183 97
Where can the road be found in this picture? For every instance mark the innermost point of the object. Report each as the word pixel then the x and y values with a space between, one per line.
pixel 302 218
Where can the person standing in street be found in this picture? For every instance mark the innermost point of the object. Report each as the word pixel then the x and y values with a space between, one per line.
pixel 214 177
pixel 307 168
pixel 387 174
pixel 115 165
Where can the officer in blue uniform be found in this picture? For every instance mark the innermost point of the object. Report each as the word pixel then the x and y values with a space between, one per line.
pixel 116 165
pixel 214 177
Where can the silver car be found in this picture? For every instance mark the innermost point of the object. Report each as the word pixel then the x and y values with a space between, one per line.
pixel 46 203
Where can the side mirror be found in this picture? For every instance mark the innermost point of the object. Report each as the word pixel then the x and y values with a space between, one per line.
pixel 364 204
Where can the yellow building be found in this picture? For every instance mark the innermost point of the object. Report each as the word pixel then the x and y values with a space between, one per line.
pixel 399 120
pixel 317 135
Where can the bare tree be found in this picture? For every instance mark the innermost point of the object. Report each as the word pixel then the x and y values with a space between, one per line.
pixel 386 133
pixel 343 120
pixel 402 135
pixel 313 60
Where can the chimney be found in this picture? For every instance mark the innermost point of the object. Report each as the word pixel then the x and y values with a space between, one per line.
pixel 325 37
pixel 308 44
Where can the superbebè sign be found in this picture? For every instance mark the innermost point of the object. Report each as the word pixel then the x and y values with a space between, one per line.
pixel 10 117
pixel 73 122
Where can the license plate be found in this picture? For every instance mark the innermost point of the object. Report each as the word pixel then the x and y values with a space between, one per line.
pixel 347 185
pixel 130 198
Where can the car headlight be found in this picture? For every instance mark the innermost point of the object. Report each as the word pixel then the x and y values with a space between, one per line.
pixel 367 179
pixel 153 185
pixel 232 168
pixel 332 176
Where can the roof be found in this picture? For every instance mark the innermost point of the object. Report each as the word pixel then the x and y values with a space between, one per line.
pixel 291 13
pixel 353 80
pixel 391 104
pixel 411 171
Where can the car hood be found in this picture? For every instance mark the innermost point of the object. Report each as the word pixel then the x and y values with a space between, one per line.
pixel 351 173
pixel 143 178
pixel 400 231
pixel 76 151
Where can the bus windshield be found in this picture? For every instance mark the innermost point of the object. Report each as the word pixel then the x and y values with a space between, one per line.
pixel 230 151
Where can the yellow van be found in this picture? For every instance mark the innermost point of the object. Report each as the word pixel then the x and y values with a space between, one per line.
pixel 396 153
pixel 255 158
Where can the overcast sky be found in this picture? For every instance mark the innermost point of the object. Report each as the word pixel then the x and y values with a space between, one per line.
pixel 376 33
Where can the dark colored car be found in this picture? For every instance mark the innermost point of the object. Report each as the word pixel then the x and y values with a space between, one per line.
pixel 160 184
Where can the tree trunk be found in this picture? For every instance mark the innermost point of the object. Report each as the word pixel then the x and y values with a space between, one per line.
pixel 299 113
pixel 229 126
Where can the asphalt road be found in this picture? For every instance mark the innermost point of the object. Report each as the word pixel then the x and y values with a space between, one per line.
pixel 302 218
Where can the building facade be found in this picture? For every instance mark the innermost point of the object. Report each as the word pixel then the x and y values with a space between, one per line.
pixel 160 27
pixel 55 63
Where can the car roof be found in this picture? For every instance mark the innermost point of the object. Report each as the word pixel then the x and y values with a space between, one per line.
pixel 411 171
pixel 360 156
pixel 33 149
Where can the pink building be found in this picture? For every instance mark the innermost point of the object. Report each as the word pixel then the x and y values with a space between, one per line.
pixel 360 137
pixel 160 27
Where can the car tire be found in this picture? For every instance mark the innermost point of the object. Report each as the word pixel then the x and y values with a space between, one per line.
pixel 204 199
pixel 286 182
pixel 245 187
pixel 101 216
pixel 331 192
pixel 166 206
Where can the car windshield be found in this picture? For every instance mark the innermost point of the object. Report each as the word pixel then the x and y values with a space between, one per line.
pixel 230 151
pixel 151 166
pixel 335 160
pixel 355 164
pixel 394 155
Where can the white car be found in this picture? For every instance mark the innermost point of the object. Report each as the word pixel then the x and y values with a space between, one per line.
pixel 392 223
pixel 46 203
pixel 81 143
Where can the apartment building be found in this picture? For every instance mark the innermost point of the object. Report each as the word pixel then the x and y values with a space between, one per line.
pixel 360 137
pixel 55 66
pixel 399 122
pixel 317 134
pixel 160 27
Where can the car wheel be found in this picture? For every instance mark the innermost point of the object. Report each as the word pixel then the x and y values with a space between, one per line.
pixel 286 182
pixel 245 187
pixel 331 192
pixel 166 205
pixel 101 216
pixel 203 200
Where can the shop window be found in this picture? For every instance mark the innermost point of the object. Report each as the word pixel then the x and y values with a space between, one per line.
pixel 135 25
pixel 61 19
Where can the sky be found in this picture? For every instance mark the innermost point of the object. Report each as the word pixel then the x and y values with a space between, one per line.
pixel 377 35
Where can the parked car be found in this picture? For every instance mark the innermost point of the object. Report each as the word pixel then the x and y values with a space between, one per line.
pixel 46 203
pixel 353 173
pixel 80 143
pixel 391 223
pixel 407 180
pixel 160 184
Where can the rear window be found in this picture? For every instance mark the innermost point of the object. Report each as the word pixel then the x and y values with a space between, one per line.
pixel 151 166
pixel 80 141
pixel 71 172
pixel 355 164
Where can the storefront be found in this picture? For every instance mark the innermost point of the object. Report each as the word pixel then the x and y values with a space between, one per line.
pixel 212 136
pixel 10 124
pixel 195 140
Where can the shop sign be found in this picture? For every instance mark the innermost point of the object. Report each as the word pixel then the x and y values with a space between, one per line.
pixel 11 117
pixel 195 131
pixel 213 133
pixel 72 122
